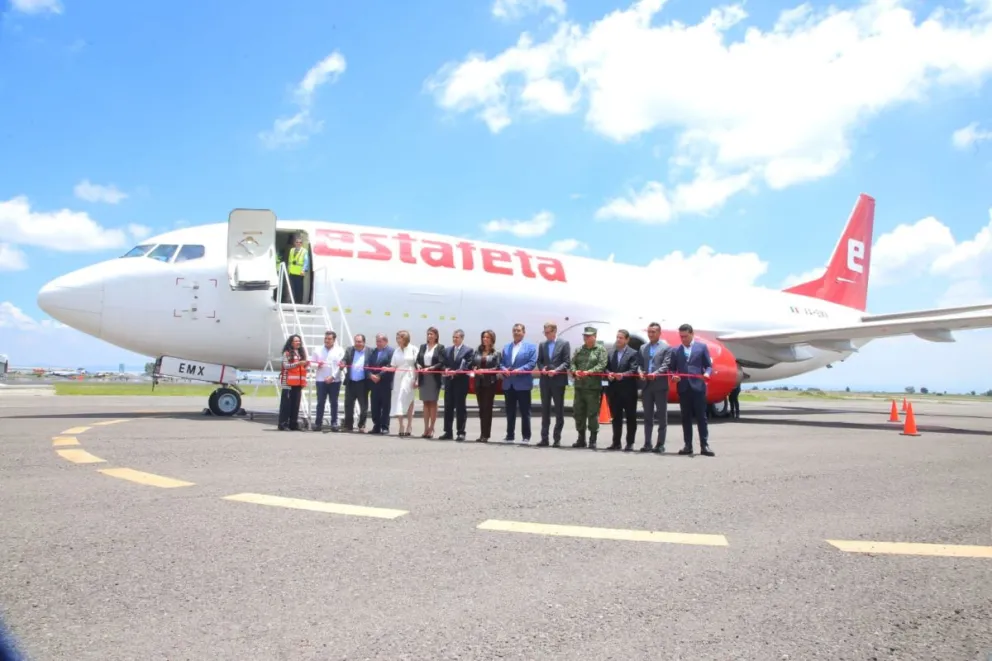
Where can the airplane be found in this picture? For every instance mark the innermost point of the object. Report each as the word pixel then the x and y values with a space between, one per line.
pixel 210 301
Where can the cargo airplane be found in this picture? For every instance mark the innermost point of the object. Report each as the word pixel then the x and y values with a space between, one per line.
pixel 204 300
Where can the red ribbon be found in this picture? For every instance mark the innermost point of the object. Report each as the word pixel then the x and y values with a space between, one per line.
pixel 520 372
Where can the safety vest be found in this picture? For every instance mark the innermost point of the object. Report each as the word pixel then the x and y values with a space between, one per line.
pixel 296 257
pixel 294 376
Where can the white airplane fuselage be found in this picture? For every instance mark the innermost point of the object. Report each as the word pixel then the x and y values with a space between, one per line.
pixel 386 280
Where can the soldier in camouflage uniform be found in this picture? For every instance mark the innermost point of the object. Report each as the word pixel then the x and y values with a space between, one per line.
pixel 590 357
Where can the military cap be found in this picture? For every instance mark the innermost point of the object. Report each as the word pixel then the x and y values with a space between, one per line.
pixel 589 330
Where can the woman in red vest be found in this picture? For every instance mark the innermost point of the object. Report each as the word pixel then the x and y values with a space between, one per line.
pixel 292 379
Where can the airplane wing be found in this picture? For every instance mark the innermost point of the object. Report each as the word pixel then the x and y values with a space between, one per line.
pixel 935 312
pixel 933 329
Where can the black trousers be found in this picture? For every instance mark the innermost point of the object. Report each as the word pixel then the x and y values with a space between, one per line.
pixel 327 392
pixel 622 398
pixel 356 390
pixel 289 407
pixel 455 393
pixel 552 397
pixel 692 405
pixel 485 396
pixel 517 399
pixel 382 395
pixel 735 406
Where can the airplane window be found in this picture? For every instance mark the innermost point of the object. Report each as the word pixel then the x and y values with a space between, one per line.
pixel 187 253
pixel 163 253
pixel 139 251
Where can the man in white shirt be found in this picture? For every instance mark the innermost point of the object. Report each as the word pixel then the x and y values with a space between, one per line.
pixel 328 377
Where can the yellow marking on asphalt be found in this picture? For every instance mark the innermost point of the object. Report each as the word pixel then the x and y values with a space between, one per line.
pixel 75 430
pixel 64 440
pixel 80 457
pixel 906 548
pixel 140 477
pixel 316 506
pixel 109 422
pixel 604 533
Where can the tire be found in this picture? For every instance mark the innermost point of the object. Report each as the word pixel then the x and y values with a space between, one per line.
pixel 721 410
pixel 225 402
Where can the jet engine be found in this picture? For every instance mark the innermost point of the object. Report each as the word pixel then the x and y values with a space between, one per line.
pixel 726 375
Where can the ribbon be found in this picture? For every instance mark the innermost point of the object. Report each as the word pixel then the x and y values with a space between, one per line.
pixel 446 372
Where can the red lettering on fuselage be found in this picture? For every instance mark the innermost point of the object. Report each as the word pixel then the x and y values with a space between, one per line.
pixel 436 254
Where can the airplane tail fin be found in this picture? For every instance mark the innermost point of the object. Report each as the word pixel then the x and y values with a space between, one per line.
pixel 845 281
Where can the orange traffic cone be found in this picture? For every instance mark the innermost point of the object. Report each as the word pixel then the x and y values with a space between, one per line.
pixel 909 428
pixel 905 405
pixel 604 412
pixel 893 414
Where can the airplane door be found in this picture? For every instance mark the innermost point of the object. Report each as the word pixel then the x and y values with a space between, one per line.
pixel 251 240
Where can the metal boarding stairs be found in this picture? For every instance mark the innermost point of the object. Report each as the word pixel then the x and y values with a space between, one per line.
pixel 310 322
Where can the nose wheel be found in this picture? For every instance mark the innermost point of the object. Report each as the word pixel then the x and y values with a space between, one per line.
pixel 224 402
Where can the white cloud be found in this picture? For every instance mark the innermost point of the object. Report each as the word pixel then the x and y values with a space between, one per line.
pixel 12 316
pixel 777 106
pixel 710 269
pixel 139 232
pixel 524 229
pixel 298 128
pixel 812 274
pixel 512 9
pixel 63 230
pixel 567 246
pixel 12 259
pixel 970 135
pixel 90 192
pixel 653 204
pixel 36 6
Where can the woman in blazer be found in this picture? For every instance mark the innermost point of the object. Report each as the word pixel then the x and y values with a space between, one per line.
pixel 486 385
pixel 429 367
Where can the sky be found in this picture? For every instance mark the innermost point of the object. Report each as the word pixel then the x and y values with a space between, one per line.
pixel 723 143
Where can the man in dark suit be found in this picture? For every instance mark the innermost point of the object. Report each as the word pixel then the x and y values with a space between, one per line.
pixel 457 358
pixel 656 358
pixel 692 358
pixel 554 358
pixel 622 367
pixel 382 384
pixel 356 382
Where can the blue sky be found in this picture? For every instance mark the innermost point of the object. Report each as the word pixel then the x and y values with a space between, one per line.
pixel 650 131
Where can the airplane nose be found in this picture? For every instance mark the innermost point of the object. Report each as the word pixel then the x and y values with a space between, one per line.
pixel 75 303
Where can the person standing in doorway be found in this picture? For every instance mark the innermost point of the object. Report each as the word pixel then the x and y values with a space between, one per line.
pixel 298 266
pixel 328 377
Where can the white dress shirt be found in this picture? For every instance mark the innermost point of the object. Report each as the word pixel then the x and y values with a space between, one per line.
pixel 330 357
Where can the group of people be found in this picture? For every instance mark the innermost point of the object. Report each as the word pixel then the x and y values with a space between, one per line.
pixel 389 377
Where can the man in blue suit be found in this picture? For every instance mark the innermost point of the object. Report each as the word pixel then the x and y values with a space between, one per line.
pixel 519 360
pixel 382 384
pixel 692 358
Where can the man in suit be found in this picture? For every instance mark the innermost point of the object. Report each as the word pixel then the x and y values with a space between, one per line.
pixel 693 358
pixel 381 384
pixel 656 359
pixel 519 361
pixel 622 366
pixel 356 382
pixel 554 358
pixel 457 358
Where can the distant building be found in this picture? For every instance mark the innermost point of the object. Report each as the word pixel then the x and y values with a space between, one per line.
pixel 4 364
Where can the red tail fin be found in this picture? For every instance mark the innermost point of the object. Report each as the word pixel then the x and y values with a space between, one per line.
pixel 846 279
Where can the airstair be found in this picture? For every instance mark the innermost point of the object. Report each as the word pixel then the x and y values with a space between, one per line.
pixel 310 322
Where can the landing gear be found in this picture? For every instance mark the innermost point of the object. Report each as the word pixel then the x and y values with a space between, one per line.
pixel 721 410
pixel 224 402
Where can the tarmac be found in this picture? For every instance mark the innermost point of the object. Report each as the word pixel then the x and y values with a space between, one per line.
pixel 138 528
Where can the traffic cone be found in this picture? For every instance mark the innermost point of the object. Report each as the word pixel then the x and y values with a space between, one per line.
pixel 893 414
pixel 909 428
pixel 604 412
pixel 905 405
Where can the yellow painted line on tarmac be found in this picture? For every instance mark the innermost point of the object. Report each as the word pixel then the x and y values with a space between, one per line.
pixel 80 457
pixel 76 430
pixel 149 479
pixel 317 506
pixel 109 422
pixel 604 533
pixel 907 548
pixel 58 441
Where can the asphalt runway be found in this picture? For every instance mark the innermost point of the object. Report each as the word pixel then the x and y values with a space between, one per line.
pixel 817 532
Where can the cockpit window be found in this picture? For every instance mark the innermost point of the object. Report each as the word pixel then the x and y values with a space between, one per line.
pixel 186 253
pixel 138 251
pixel 163 253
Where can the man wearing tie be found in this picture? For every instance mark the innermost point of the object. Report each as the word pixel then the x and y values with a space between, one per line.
pixel 457 358
pixel 656 359
pixel 622 367
pixel 382 384
pixel 554 357
pixel 692 357
pixel 518 362
pixel 356 382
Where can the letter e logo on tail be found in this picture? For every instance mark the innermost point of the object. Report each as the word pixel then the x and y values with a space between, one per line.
pixel 855 255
